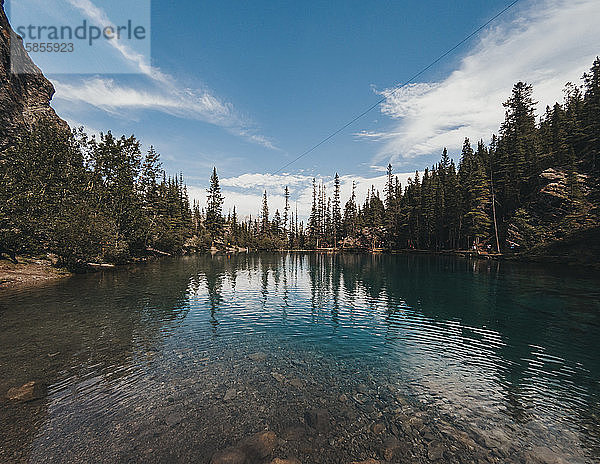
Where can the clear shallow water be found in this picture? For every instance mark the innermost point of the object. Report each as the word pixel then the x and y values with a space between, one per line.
pixel 499 361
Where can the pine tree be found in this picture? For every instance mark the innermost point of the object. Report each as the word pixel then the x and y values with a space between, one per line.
pixel 350 214
pixel 276 225
pixel 591 115
pixel 264 215
pixel 390 205
pixel 336 213
pixel 286 210
pixel 475 193
pixel 214 216
pixel 517 154
pixel 313 220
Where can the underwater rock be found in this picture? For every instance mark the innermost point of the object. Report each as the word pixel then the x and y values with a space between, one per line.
pixel 318 419
pixel 29 392
pixel 296 383
pixel 391 449
pixel 231 455
pixel 378 428
pixel 277 376
pixel 230 394
pixel 435 451
pixel 260 445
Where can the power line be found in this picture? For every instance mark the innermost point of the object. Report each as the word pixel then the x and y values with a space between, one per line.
pixel 376 104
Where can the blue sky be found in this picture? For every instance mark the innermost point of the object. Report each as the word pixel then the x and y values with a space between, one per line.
pixel 247 86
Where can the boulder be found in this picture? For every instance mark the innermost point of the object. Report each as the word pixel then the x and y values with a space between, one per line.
pixel 29 392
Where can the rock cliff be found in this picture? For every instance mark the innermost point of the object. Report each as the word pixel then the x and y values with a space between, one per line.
pixel 24 98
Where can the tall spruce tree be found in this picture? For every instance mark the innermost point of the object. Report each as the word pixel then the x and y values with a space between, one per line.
pixel 517 154
pixel 264 215
pixel 214 206
pixel 336 213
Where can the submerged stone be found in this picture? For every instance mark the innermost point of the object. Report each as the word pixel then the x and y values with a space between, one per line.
pixel 260 445
pixel 435 451
pixel 28 392
pixel 318 419
pixel 258 356
pixel 231 455
pixel 391 449
pixel 279 377
pixel 296 383
pixel 285 461
pixel 230 394
pixel 378 428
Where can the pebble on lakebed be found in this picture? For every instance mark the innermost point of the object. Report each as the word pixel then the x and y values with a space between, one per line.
pixel 212 416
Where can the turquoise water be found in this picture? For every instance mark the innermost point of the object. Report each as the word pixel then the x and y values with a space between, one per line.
pixel 152 364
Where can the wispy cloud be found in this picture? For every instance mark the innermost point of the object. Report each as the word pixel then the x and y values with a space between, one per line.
pixel 141 62
pixel 551 43
pixel 160 92
pixel 108 95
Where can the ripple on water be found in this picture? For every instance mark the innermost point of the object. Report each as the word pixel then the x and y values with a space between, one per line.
pixel 142 361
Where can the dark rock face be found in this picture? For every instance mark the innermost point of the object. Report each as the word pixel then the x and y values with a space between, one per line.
pixel 24 98
pixel 552 215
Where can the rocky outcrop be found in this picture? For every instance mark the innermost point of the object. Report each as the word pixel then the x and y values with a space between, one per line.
pixel 555 213
pixel 24 98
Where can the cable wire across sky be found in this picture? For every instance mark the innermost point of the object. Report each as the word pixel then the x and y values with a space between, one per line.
pixel 380 101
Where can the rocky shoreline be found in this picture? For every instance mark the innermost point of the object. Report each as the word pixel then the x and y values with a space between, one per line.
pixel 259 407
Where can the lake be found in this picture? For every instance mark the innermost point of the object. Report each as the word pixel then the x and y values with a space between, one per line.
pixel 315 357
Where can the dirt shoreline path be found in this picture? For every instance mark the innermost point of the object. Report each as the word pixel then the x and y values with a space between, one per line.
pixel 28 272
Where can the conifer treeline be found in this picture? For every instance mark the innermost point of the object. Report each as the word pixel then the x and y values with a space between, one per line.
pixel 535 183
pixel 99 199
pixel 86 199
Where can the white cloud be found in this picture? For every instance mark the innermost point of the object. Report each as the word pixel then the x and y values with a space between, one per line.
pixel 265 181
pixel 245 192
pixel 109 96
pixel 551 43
pixel 162 92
